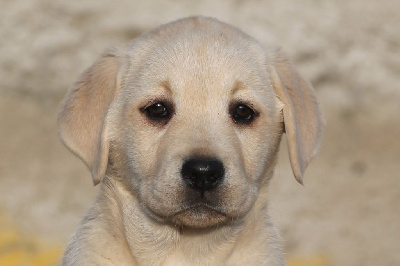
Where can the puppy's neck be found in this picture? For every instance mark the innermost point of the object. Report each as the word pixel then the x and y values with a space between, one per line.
pixel 155 243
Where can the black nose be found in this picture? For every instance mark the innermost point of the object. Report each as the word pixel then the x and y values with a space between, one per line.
pixel 202 174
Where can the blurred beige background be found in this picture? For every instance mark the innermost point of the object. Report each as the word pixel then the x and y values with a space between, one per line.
pixel 347 214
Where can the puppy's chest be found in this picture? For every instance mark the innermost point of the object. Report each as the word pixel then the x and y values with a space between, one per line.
pixel 191 258
pixel 181 252
pixel 176 258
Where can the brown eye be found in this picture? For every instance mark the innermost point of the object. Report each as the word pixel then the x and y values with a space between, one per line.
pixel 242 114
pixel 157 111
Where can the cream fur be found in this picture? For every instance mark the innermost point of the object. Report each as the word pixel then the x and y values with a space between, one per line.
pixel 144 214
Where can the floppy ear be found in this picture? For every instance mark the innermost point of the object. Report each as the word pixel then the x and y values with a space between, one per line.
pixel 81 117
pixel 304 123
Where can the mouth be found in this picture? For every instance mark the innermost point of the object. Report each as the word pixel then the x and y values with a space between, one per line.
pixel 199 216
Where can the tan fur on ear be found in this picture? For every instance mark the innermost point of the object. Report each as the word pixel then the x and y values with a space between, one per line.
pixel 304 123
pixel 81 116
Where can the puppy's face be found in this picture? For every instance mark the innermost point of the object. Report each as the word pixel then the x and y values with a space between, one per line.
pixel 198 126
pixel 187 118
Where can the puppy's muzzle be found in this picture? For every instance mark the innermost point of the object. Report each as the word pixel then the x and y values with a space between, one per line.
pixel 203 174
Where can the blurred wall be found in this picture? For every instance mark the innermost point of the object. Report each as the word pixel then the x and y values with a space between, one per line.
pixel 348 212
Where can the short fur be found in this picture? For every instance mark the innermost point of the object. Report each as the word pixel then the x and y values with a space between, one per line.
pixel 145 214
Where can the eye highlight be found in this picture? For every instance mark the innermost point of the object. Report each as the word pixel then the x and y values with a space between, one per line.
pixel 242 113
pixel 159 112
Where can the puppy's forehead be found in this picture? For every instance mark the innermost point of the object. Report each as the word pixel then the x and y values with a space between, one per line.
pixel 198 54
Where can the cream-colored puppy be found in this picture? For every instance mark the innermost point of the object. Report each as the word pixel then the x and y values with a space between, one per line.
pixel 182 129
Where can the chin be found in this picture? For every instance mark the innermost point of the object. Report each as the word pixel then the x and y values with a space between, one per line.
pixel 200 217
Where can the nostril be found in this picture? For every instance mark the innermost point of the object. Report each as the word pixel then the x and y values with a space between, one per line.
pixel 202 174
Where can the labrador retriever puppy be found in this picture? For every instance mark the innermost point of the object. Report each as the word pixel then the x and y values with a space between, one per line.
pixel 181 128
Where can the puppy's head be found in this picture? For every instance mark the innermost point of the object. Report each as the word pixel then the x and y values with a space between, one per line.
pixel 189 118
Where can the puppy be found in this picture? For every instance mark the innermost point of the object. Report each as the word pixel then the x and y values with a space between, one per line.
pixel 181 128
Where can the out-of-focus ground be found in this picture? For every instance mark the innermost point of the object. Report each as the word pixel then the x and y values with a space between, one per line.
pixel 347 214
